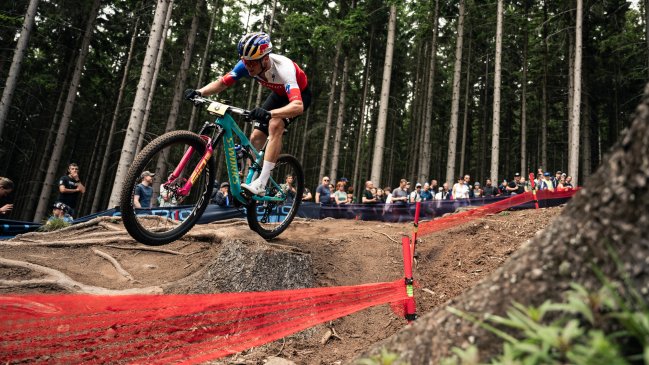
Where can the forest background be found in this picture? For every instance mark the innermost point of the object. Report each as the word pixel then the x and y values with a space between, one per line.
pixel 402 89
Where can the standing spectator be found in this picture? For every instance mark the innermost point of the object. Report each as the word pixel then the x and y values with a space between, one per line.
pixel 568 185
pixel 167 198
pixel 467 182
pixel 477 190
pixel 350 192
pixel 223 197
pixel 426 194
pixel 415 196
pixel 546 183
pixel 538 180
pixel 560 184
pixel 515 187
pixel 443 193
pixel 502 188
pixel 556 178
pixel 526 184
pixel 306 194
pixel 70 188
pixel 460 190
pixel 6 188
pixel 368 197
pixel 59 211
pixel 288 187
pixel 322 192
pixel 340 196
pixel 388 195
pixel 489 190
pixel 400 195
pixel 380 195
pixel 434 187
pixel 144 191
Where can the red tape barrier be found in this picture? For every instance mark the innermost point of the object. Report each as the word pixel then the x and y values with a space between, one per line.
pixel 163 329
pixel 479 212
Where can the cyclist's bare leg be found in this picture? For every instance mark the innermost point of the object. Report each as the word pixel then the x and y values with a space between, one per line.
pixel 276 131
pixel 273 148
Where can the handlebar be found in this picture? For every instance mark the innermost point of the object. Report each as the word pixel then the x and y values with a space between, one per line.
pixel 199 100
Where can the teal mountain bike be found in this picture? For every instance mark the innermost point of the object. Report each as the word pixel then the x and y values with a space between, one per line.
pixel 185 171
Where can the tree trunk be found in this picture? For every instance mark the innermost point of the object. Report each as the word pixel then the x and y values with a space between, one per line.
pixel 495 132
pixel 16 63
pixel 573 150
pixel 483 134
pixel 330 112
pixel 544 88
pixel 139 104
pixel 455 101
pixel 360 140
pixel 414 127
pixel 206 55
pixel 50 177
pixel 524 168
pixel 269 32
pixel 91 182
pixel 181 80
pixel 154 81
pixel 606 224
pixel 335 156
pixel 39 175
pixel 379 142
pixel 465 117
pixel 304 143
pixel 424 165
pixel 103 171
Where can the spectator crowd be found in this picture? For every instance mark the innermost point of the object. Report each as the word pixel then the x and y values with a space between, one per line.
pixel 342 192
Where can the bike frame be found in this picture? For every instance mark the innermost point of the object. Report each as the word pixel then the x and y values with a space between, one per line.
pixel 228 128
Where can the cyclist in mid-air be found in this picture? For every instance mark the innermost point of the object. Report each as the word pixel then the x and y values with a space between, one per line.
pixel 290 97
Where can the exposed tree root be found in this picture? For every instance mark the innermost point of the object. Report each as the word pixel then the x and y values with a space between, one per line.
pixel 92 242
pixel 152 249
pixel 114 262
pixel 63 281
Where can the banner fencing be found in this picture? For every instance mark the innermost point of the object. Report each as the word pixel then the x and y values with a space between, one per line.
pixel 493 208
pixel 163 329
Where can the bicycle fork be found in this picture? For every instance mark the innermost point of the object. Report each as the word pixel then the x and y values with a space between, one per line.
pixel 184 191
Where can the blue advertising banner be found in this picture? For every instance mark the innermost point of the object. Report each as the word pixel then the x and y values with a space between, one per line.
pixel 367 212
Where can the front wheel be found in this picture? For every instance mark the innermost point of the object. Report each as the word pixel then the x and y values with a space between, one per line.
pixel 168 207
pixel 270 218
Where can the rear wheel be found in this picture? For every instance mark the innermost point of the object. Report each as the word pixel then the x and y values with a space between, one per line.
pixel 167 219
pixel 270 219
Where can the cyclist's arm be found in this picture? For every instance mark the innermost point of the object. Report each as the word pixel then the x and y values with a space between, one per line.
pixel 290 110
pixel 214 87
pixel 317 197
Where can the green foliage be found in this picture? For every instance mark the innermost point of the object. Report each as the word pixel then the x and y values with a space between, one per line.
pixel 53 224
pixel 384 358
pixel 606 327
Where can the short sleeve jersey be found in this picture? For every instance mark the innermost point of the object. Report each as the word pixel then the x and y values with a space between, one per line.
pixel 69 199
pixel 145 193
pixel 284 77
pixel 325 194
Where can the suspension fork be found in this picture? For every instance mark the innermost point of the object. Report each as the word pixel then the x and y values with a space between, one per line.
pixel 184 191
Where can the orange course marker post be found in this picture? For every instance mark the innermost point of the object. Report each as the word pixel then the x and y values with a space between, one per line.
pixel 536 201
pixel 410 306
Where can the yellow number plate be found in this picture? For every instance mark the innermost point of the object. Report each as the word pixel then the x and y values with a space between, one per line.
pixel 217 108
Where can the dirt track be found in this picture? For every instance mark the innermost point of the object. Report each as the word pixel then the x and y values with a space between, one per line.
pixel 343 252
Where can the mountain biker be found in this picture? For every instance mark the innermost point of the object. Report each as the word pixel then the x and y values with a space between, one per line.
pixel 289 98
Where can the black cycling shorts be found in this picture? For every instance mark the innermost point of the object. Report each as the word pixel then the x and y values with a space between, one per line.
pixel 274 101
